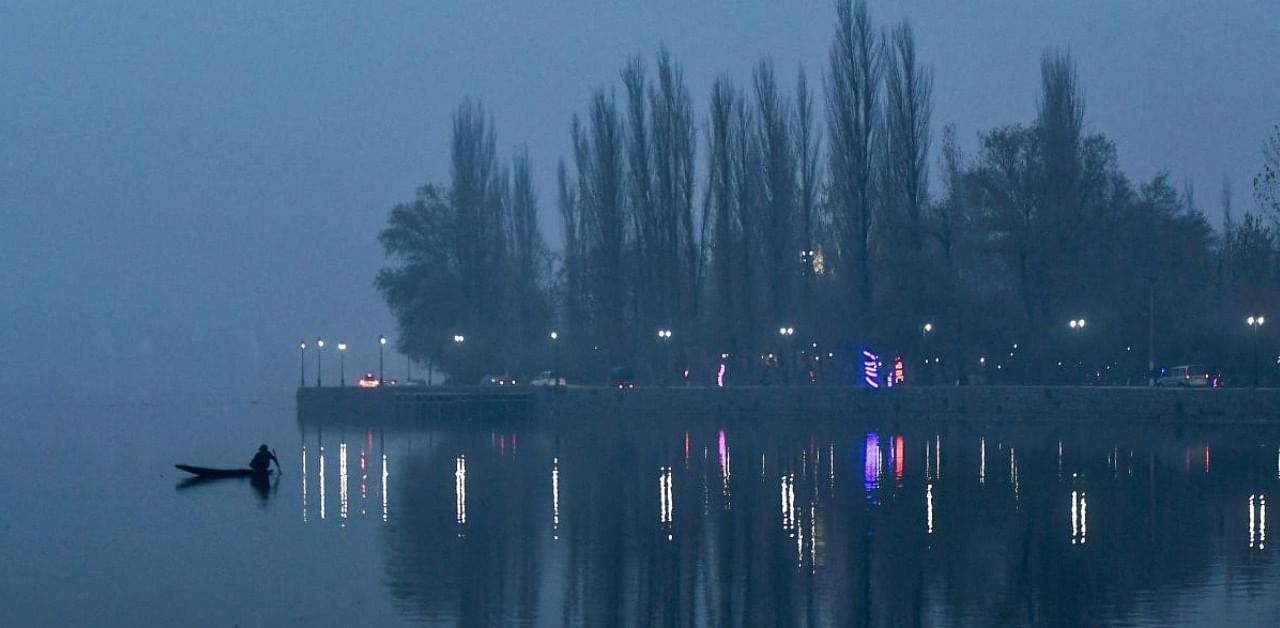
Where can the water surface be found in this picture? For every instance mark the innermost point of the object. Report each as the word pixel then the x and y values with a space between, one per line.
pixel 658 521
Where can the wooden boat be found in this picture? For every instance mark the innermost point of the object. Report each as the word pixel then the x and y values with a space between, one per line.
pixel 206 472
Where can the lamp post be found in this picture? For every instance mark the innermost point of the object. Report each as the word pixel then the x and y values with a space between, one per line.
pixel 382 342
pixel 319 364
pixel 1255 323
pixel 925 330
pixel 458 339
pixel 555 356
pixel 302 364
pixel 664 336
pixel 1078 325
pixel 342 370
pixel 787 333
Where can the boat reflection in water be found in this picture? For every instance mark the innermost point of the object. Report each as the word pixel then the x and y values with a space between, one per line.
pixel 1078 526
pixel 263 485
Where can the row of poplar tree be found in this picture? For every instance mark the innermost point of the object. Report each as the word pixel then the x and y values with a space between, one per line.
pixel 785 206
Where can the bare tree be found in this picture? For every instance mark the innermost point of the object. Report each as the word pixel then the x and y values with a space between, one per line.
pixel 529 259
pixel 776 225
pixel 853 86
pixel 904 176
pixel 808 145
pixel 674 147
pixel 598 156
pixel 1266 184
pixel 720 198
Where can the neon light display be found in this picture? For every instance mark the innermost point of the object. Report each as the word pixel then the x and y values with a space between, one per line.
pixel 870 369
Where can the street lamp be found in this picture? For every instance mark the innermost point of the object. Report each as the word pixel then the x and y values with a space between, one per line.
pixel 1255 323
pixel 382 342
pixel 1078 324
pixel 342 370
pixel 319 363
pixel 664 336
pixel 302 364
pixel 925 330
pixel 555 352
pixel 459 338
pixel 787 333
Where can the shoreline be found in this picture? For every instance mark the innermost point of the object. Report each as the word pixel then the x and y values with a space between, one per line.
pixel 816 405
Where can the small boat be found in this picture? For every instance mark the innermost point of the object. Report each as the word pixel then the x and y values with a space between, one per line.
pixel 206 472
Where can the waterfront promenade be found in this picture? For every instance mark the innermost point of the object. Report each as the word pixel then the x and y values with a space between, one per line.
pixel 817 404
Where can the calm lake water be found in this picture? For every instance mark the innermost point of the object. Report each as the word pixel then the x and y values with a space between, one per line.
pixel 632 523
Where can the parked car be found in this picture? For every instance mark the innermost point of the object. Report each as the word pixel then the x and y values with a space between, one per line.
pixel 1188 376
pixel 622 377
pixel 547 378
pixel 368 380
pixel 499 380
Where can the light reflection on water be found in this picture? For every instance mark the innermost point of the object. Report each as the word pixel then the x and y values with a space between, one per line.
pixel 1009 552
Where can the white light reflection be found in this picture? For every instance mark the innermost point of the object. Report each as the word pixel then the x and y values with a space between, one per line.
pixel 813 536
pixel 384 488
pixel 1258 522
pixel 1059 460
pixel 1079 518
pixel 831 467
pixel 982 461
pixel 799 544
pixel 555 498
pixel 342 481
pixel 364 483
pixel 937 455
pixel 664 496
pixel 460 490
pixel 304 483
pixel 322 482
pixel 1013 474
pixel 788 498
pixel 928 507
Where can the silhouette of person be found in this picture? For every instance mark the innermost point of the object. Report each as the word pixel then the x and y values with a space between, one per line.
pixel 263 459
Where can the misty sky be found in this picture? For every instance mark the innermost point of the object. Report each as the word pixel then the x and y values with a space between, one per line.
pixel 187 189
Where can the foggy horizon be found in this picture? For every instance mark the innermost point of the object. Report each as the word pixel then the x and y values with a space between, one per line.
pixel 189 191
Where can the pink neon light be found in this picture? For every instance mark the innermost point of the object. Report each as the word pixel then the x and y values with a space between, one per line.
pixel 720 376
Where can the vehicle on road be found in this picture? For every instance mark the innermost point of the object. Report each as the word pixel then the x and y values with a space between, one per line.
pixel 368 380
pixel 547 378
pixel 622 377
pixel 499 380
pixel 1186 376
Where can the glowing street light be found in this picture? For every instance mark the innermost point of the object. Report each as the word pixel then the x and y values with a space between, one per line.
pixel 302 364
pixel 555 351
pixel 1077 323
pixel 1255 323
pixel 459 338
pixel 928 328
pixel 382 342
pixel 664 336
pixel 342 370
pixel 319 363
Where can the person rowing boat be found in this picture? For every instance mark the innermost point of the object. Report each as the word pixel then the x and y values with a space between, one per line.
pixel 262 460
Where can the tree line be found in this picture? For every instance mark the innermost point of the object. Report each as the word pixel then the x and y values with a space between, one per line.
pixel 786 206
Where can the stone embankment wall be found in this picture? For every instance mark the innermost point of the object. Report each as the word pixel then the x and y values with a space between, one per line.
pixel 822 404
